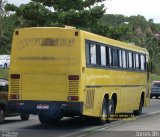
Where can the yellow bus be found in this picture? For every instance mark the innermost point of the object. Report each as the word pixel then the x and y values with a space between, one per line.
pixel 57 72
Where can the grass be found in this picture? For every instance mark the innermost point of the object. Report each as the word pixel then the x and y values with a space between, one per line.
pixel 4 73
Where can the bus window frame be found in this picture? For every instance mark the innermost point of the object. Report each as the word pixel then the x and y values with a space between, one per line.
pixel 109 66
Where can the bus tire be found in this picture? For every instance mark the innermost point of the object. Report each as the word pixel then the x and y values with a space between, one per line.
pixel 139 111
pixel 108 110
pixel 24 116
pixel 2 116
pixel 44 119
pixel 102 119
pixel 111 110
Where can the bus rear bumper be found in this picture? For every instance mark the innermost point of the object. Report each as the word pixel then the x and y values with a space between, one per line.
pixel 37 107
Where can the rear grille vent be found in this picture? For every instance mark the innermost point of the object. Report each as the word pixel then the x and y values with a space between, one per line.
pixel 14 86
pixel 73 87
pixel 90 99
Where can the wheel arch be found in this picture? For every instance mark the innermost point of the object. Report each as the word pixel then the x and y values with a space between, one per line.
pixel 143 97
pixel 108 97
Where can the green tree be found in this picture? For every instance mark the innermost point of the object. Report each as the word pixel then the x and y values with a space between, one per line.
pixel 113 20
pixel 31 14
pixel 153 46
pixel 4 38
pixel 138 21
pixel 77 13
pixel 3 26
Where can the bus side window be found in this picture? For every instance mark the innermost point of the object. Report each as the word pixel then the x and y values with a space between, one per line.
pixel 93 54
pixel 130 59
pixel 127 60
pixel 142 62
pixel 120 58
pixel 137 61
pixel 88 59
pixel 103 56
pixel 124 59
pixel 107 56
pixel 134 61
pixel 98 54
pixel 115 61
pixel 110 57
pixel 146 62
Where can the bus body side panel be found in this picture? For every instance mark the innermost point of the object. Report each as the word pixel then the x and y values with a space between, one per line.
pixel 127 85
pixel 128 92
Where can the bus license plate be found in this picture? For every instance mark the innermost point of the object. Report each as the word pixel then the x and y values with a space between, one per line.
pixel 42 106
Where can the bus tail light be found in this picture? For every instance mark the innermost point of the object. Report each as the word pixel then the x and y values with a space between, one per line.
pixel 73 98
pixel 15 76
pixel 14 96
pixel 76 33
pixel 73 77
pixel 17 32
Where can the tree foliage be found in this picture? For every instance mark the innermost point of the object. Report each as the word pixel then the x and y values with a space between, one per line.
pixel 77 13
pixel 4 35
pixel 152 44
pixel 67 5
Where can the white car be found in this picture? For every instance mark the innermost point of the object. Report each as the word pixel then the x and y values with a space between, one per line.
pixel 5 63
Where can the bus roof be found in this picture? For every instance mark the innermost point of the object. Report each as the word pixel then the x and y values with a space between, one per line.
pixel 96 38
pixel 116 43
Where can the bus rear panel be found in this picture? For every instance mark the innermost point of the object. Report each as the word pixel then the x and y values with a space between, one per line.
pixel 45 71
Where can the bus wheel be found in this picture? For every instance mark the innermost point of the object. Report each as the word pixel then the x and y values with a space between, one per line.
pixel 2 116
pixel 24 116
pixel 44 119
pixel 111 110
pixel 139 111
pixel 107 111
pixel 102 119
pixel 156 97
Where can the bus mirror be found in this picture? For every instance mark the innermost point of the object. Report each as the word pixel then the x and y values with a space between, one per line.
pixel 149 67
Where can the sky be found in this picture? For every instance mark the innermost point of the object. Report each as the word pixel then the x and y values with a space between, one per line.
pixel 150 9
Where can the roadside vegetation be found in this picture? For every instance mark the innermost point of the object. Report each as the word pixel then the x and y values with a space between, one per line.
pixel 154 77
pixel 4 73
